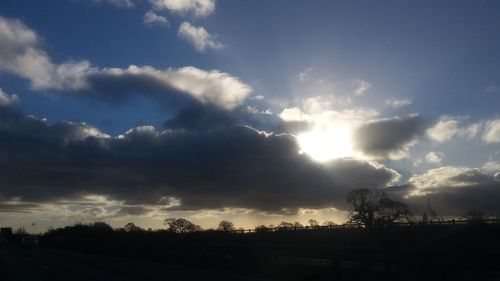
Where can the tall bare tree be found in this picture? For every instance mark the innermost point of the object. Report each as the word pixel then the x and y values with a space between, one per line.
pixel 375 208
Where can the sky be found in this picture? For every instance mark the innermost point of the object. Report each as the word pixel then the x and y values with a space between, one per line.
pixel 252 111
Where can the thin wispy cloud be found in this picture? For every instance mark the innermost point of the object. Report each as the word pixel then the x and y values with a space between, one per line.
pixel 361 87
pixel 118 3
pixel 151 18
pixel 398 103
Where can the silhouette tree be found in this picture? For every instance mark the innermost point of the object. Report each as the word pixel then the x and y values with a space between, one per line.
pixel 285 225
pixel 181 225
pixel 21 231
pixel 102 226
pixel 226 226
pixel 313 223
pixel 131 227
pixel 261 228
pixel 329 223
pixel 375 209
pixel 474 215
pixel 430 214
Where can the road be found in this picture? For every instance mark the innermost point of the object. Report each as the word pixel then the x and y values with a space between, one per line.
pixel 49 264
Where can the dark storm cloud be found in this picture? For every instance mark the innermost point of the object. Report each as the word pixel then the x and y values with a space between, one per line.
pixel 452 191
pixel 386 137
pixel 197 116
pixel 231 166
pixel 457 201
pixel 118 89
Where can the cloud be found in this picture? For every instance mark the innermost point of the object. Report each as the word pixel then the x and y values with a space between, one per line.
pixel 257 98
pixel 118 3
pixel 456 189
pixel 20 54
pixel 134 211
pixel 434 157
pixel 470 131
pixel 448 127
pixel 199 37
pixel 492 89
pixel 6 99
pixel 321 125
pixel 389 138
pixel 304 75
pixel 397 104
pixel 319 109
pixel 492 167
pixel 151 18
pixel 208 87
pixel 492 131
pixel 361 87
pixel 444 129
pixel 231 166
pixel 294 114
pixel 199 8
pixel 448 177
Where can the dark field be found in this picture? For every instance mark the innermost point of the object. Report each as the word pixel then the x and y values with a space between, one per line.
pixel 412 252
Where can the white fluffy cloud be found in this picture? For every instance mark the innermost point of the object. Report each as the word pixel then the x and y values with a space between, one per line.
pixel 443 130
pixel 151 18
pixel 492 131
pixel 491 167
pixel 435 180
pixel 199 37
pixel 20 54
pixel 448 127
pixel 470 131
pixel 293 114
pixel 199 8
pixel 434 157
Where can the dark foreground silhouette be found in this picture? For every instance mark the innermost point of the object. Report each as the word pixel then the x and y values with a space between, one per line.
pixel 53 264
pixel 465 251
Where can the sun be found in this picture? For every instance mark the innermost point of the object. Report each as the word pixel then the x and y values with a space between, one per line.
pixel 324 144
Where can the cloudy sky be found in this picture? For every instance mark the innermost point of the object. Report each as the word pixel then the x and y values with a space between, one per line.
pixel 253 111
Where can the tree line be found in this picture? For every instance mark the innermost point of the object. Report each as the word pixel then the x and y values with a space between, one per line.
pixel 369 209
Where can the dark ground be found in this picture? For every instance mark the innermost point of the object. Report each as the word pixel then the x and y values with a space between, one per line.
pixel 412 252
pixel 52 264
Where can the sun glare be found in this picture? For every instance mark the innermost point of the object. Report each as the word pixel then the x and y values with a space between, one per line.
pixel 324 144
